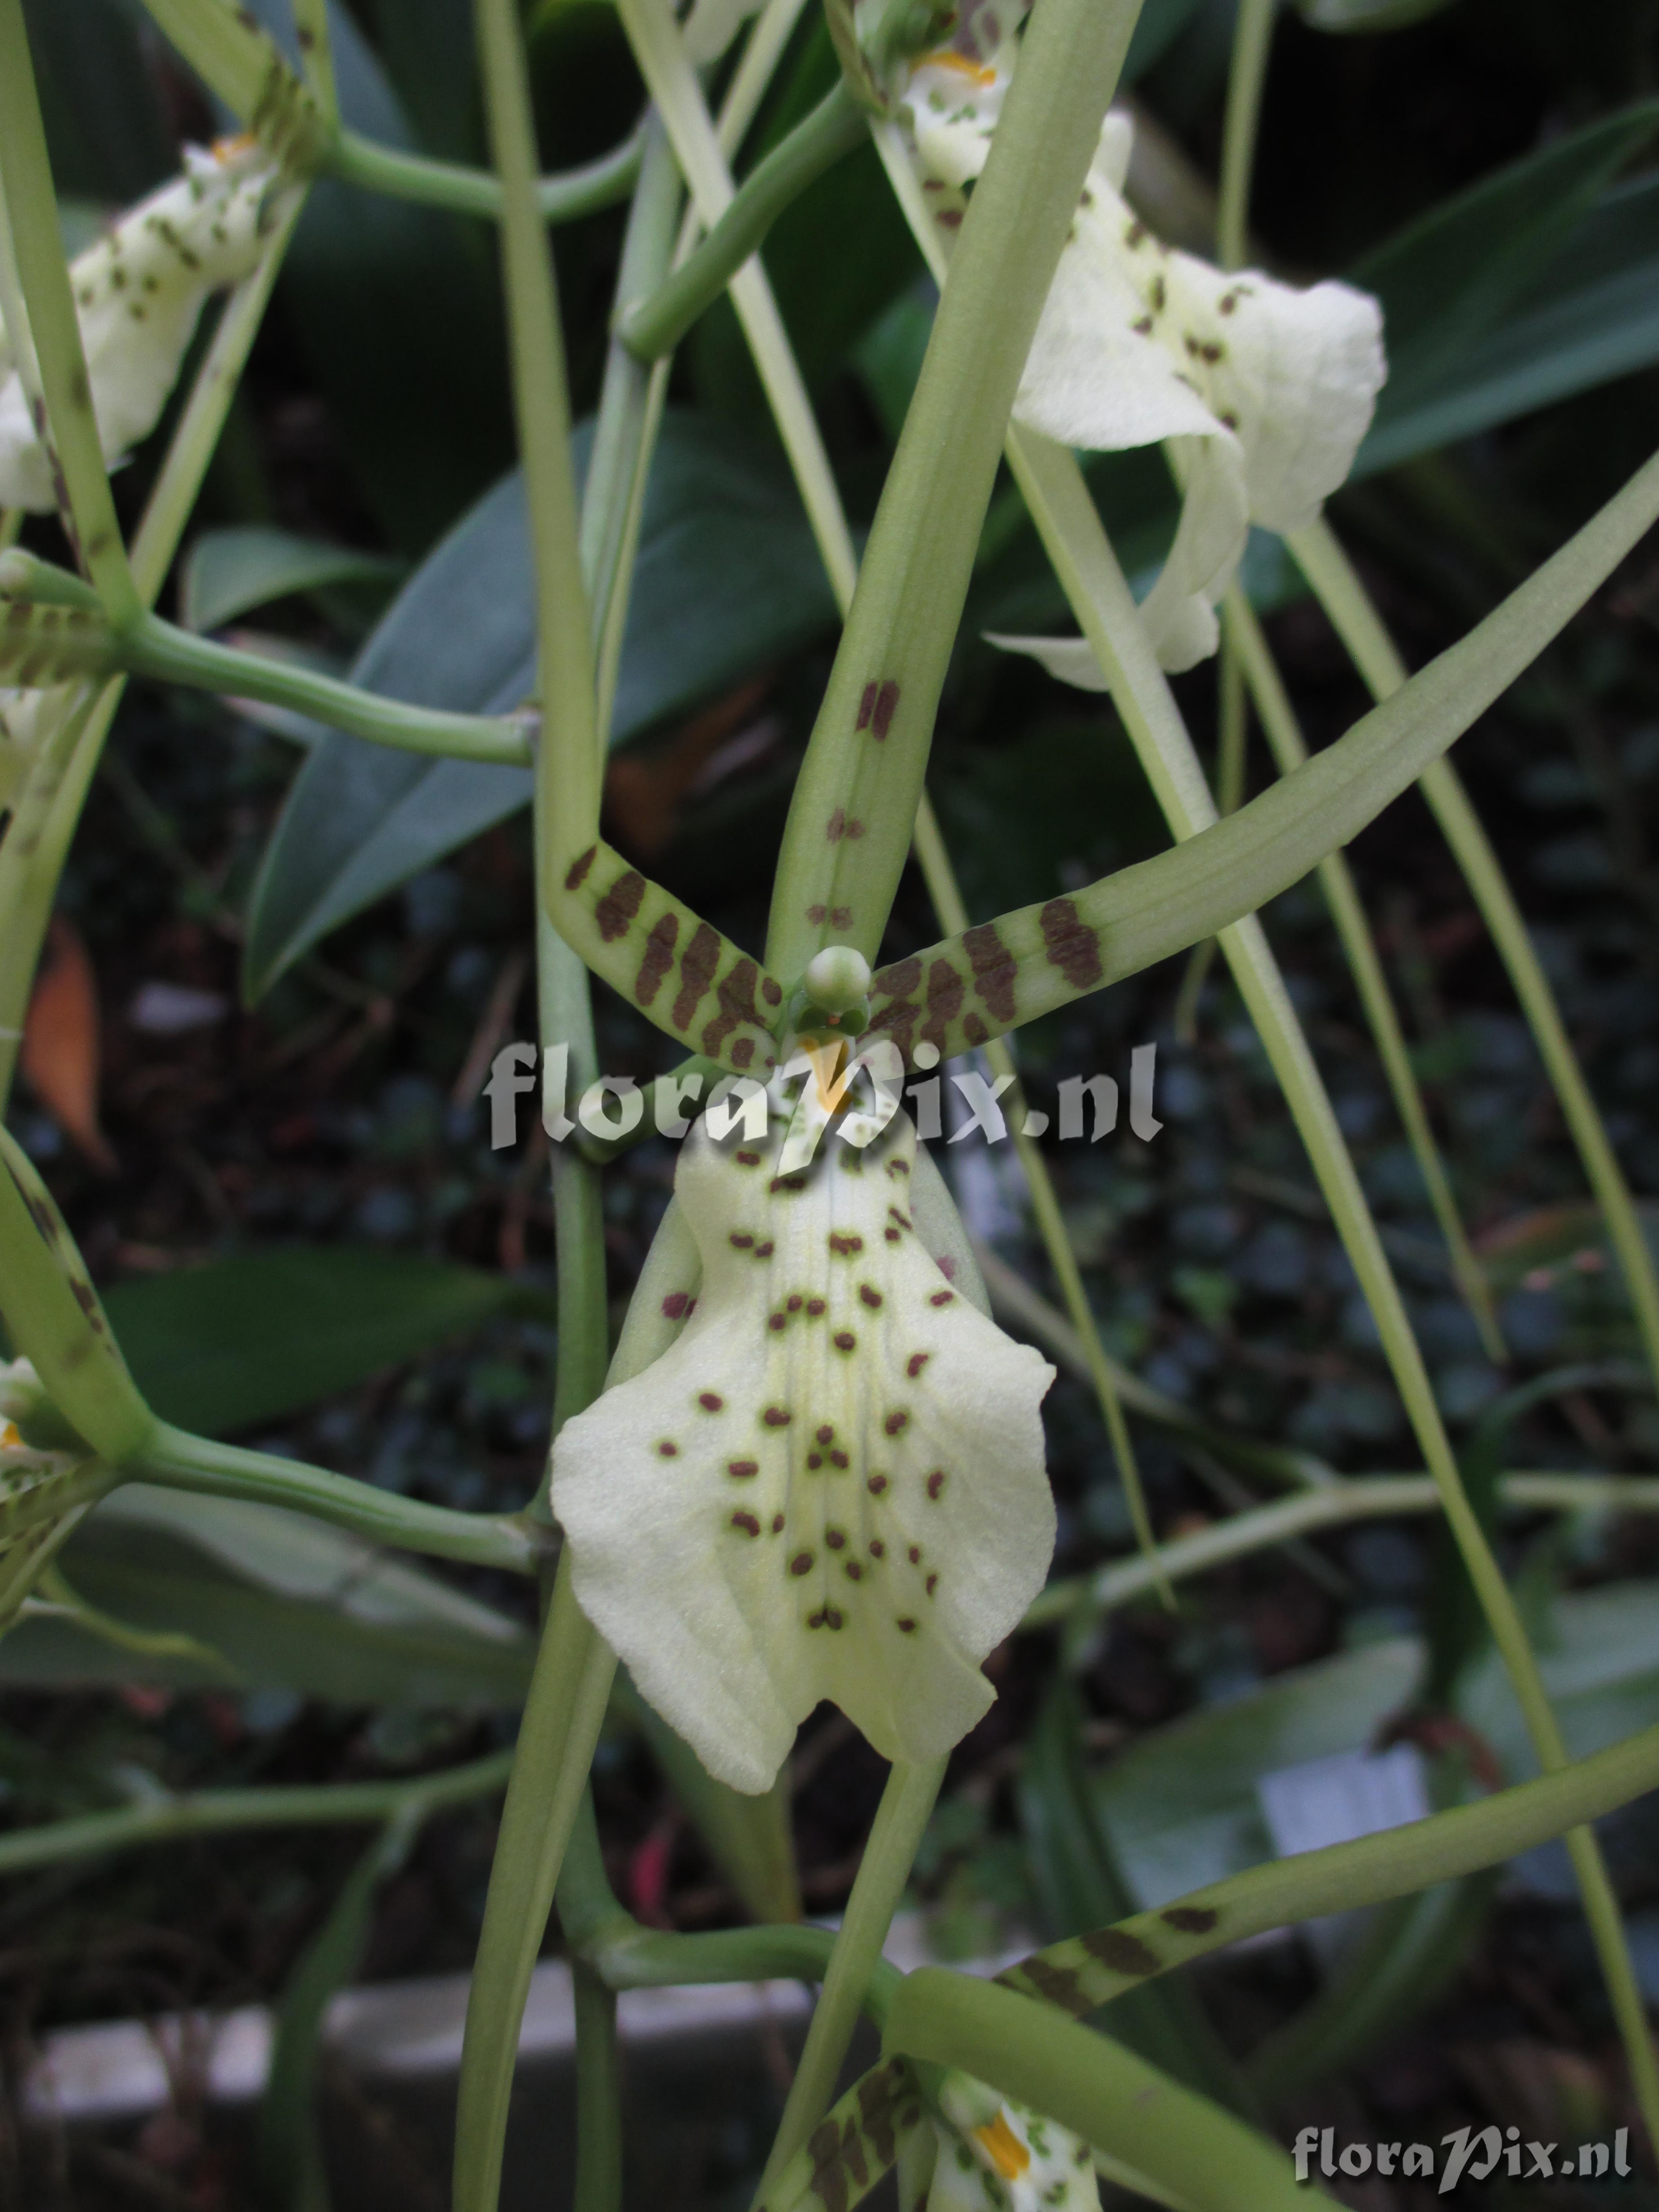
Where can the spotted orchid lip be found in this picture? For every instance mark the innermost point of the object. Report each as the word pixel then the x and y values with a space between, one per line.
pixel 831 1485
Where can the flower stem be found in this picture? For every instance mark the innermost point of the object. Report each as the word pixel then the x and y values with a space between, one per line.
pixel 1253 34
pixel 159 1817
pixel 598 2095
pixel 906 1805
pixel 917 564
pixel 660 53
pixel 46 335
pixel 561 198
pixel 1233 718
pixel 1242 633
pixel 563 1716
pixel 1323 559
pixel 1346 601
pixel 655 326
pixel 157 648
pixel 175 1459
pixel 1362 1497
pixel 1281 1464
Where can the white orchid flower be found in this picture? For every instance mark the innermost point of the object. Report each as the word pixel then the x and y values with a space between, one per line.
pixel 1014 2160
pixel 830 1487
pixel 139 294
pixel 1263 390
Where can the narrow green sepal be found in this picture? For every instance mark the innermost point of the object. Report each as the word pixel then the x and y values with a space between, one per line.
pixel 55 1318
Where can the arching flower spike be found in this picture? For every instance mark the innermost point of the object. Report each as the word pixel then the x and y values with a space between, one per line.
pixel 139 292
pixel 830 1487
pixel 1264 390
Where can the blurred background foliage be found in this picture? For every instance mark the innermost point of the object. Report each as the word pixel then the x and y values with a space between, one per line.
pixel 282 962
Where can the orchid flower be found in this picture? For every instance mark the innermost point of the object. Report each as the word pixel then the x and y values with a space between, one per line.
pixel 995 2155
pixel 139 294
pixel 831 1485
pixel 1263 390
pixel 43 1493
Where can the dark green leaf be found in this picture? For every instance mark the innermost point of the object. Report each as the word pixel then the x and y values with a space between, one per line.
pixel 1348 15
pixel 1590 315
pixel 727 578
pixel 226 571
pixel 109 139
pixel 218 1348
pixel 286 1602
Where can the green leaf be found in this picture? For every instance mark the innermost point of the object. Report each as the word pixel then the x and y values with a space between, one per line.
pixel 1590 315
pixel 285 1602
pixel 108 139
pixel 1450 280
pixel 1179 1805
pixel 728 579
pixel 1599 1656
pixel 242 1340
pixel 226 571
pixel 1350 16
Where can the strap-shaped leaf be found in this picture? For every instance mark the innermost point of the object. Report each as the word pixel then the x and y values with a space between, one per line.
pixel 853 2146
pixel 666 960
pixel 43 644
pixel 995 977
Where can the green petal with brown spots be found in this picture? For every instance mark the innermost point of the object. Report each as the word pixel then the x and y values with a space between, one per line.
pixel 853 2146
pixel 43 645
pixel 667 961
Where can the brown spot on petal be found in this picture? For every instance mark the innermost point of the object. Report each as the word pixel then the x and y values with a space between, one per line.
pixel 1122 1953
pixel 866 705
pixel 844 1341
pixel 658 959
pixel 896 1424
pixel 942 1298
pixel 936 1482
pixel 743 1468
pixel 1071 945
pixel 915 1363
pixel 615 911
pixel 697 964
pixel 869 1295
pixel 668 1448
pixel 1190 1919
pixel 747 1522
pixel 776 1417
pixel 801 1564
pixel 710 1400
pixel 907 1626
pixel 579 869
pixel 844 1245
pixel 836 1539
pixel 677 1305
pixel 995 970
